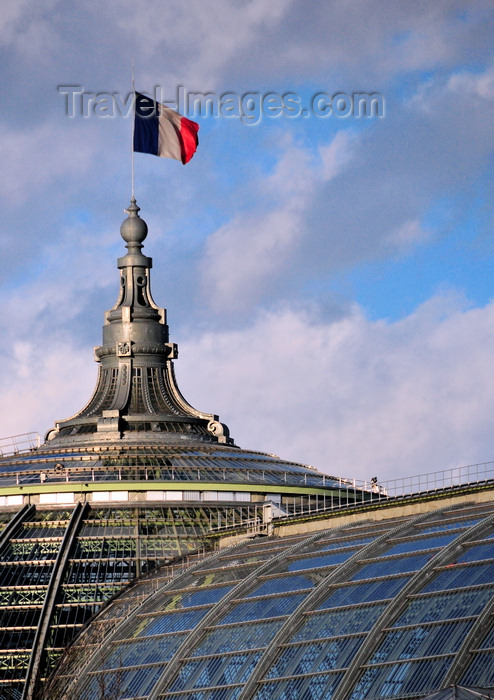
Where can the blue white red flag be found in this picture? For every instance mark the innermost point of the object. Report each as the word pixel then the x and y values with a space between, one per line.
pixel 162 132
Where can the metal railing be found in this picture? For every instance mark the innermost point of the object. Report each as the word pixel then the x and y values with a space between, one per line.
pixel 453 478
pixel 221 522
pixel 24 442
pixel 339 492
pixel 57 471
pixel 373 491
pixel 366 493
pixel 339 489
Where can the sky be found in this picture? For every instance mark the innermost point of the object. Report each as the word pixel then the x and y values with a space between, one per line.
pixel 327 271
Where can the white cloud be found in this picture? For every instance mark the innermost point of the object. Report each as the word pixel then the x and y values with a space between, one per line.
pixel 244 258
pixel 424 151
pixel 408 234
pixel 30 29
pixel 371 41
pixel 41 381
pixel 337 154
pixel 363 196
pixel 354 397
pixel 224 43
pixel 35 158
pixel 471 84
pixel 205 37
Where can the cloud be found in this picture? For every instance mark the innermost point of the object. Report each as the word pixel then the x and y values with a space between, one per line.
pixel 227 43
pixel 217 32
pixel 42 381
pixel 18 16
pixel 408 234
pixel 424 150
pixel 245 258
pixel 344 44
pixel 353 397
pixel 34 159
pixel 365 195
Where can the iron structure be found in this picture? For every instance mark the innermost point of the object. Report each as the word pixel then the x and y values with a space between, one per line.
pixel 393 609
pixel 133 481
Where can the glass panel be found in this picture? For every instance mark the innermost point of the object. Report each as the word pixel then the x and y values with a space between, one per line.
pixel 459 577
pixel 314 562
pixel 188 599
pixel 208 578
pixel 339 622
pixel 142 651
pixel 301 688
pixel 177 622
pixel 282 585
pixel 421 641
pixel 445 606
pixel 249 636
pixel 123 684
pixel 416 545
pixel 387 567
pixel 478 553
pixel 246 562
pixel 402 679
pixel 364 592
pixel 212 694
pixel 260 609
pixel 489 639
pixel 219 670
pixel 480 673
pixel 437 527
pixel 346 543
pixel 322 656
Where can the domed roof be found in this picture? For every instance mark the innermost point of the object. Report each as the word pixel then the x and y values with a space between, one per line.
pixel 137 414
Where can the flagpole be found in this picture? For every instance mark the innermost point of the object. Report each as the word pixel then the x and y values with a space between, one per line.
pixel 133 129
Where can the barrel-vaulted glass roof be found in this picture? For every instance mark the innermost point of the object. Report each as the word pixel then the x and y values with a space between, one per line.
pixel 392 609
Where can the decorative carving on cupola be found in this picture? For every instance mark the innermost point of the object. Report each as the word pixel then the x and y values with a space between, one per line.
pixel 136 390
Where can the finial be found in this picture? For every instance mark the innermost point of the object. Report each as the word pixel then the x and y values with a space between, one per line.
pixel 133 230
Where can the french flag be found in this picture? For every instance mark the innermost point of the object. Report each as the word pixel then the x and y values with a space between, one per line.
pixel 162 132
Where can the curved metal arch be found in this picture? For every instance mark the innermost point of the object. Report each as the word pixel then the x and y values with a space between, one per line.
pixel 14 523
pixel 49 603
pixel 218 610
pixel 342 572
pixel 397 605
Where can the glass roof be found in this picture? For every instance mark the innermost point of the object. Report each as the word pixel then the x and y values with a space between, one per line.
pixel 160 462
pixel 388 618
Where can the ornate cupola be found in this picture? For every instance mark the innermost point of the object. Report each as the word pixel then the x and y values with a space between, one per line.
pixel 136 394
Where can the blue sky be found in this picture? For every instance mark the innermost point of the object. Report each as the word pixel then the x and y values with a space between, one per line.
pixel 328 280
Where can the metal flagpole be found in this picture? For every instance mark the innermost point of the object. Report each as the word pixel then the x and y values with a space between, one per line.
pixel 133 127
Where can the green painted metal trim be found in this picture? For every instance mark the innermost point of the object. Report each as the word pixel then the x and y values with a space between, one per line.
pixel 78 487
